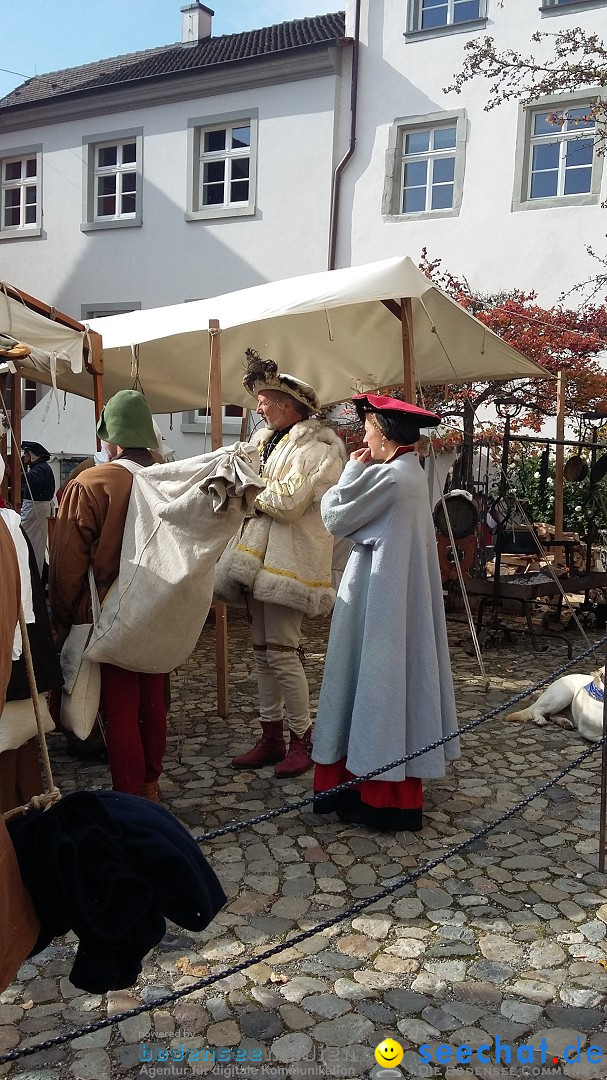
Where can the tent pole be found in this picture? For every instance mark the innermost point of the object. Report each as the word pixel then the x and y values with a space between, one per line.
pixel 94 364
pixel 221 611
pixel 3 442
pixel 15 458
pixel 406 322
pixel 560 455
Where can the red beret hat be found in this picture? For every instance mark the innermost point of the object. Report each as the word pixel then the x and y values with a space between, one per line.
pixel 377 403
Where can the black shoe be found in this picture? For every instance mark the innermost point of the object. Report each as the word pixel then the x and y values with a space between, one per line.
pixel 382 819
pixel 334 804
pixel 353 816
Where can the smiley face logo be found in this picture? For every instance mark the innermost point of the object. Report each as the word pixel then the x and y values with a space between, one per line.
pixel 389 1053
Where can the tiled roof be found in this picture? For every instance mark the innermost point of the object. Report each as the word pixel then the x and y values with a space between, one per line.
pixel 175 59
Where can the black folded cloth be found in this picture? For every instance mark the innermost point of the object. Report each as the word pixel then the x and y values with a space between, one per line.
pixel 111 867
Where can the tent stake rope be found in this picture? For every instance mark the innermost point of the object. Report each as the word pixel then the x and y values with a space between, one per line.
pixel 297 804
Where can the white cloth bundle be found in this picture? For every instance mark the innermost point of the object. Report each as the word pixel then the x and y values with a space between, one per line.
pixel 180 517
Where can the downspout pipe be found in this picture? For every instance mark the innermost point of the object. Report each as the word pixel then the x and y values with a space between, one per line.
pixel 339 168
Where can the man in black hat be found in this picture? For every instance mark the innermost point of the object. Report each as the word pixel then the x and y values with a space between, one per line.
pixel 37 490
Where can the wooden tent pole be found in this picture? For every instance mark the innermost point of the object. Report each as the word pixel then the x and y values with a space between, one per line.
pixel 94 365
pixel 3 442
pixel 221 611
pixel 560 456
pixel 15 458
pixel 406 321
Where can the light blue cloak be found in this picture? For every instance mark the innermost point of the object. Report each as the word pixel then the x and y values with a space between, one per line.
pixel 387 689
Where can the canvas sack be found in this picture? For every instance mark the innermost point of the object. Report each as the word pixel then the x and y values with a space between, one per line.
pixel 180 517
pixel 81 676
pixel 18 722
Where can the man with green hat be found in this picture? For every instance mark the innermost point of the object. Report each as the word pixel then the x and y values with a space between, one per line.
pixel 89 530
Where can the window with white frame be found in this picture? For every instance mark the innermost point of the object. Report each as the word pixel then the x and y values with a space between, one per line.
pixel 20 192
pixel 116 180
pixel 425 166
pixel 557 160
pixel 433 14
pixel 112 180
pixel 198 421
pixel 30 394
pixel 222 160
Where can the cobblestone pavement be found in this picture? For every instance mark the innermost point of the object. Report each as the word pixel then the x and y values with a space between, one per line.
pixel 504 945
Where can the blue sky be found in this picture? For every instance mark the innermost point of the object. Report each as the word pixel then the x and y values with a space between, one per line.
pixel 46 35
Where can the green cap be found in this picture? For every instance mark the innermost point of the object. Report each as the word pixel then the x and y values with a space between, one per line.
pixel 127 421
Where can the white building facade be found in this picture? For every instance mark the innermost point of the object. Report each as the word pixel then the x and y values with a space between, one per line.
pixel 505 198
pixel 173 175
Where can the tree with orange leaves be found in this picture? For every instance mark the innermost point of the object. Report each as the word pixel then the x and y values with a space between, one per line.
pixel 558 338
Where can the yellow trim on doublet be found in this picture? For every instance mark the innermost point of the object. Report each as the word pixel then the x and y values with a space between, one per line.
pixel 284 573
pixel 250 551
pixel 294 577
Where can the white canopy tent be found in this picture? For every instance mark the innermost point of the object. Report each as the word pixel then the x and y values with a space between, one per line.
pixel 340 330
pixel 66 428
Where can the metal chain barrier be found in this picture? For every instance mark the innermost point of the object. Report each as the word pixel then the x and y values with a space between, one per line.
pixel 354 909
pixel 307 799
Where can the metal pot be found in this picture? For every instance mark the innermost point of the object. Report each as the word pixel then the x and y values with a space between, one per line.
pixel 462 512
pixel 576 468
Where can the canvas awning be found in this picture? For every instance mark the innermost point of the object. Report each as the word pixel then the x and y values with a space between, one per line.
pixel 332 329
pixel 54 346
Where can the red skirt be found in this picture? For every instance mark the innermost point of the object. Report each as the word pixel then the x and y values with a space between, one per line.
pixel 397 794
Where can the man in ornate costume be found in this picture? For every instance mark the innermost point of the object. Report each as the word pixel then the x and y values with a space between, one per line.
pixel 282 558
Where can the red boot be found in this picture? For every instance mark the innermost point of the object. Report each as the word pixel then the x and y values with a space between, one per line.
pixel 298 759
pixel 269 749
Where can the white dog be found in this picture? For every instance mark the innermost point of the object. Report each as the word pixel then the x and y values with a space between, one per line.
pixel 575 701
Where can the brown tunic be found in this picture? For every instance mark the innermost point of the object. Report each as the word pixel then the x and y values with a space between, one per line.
pixel 89 529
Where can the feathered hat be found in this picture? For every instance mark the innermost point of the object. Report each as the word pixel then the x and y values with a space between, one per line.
pixel 264 375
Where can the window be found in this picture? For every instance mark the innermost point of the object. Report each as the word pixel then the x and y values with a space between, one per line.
pixel 30 394
pixel 20 192
pixel 115 180
pixel 112 180
pixel 199 420
pixel 434 14
pixel 558 163
pixel 225 155
pixel 99 311
pixel 222 167
pixel 425 166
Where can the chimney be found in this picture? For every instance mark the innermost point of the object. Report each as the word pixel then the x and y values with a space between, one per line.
pixel 196 23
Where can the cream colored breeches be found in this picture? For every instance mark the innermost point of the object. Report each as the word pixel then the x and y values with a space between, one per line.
pixel 281 679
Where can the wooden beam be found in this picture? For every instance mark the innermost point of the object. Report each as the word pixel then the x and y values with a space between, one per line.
pixel 3 441
pixel 406 320
pixel 221 611
pixel 15 456
pixel 393 307
pixel 94 364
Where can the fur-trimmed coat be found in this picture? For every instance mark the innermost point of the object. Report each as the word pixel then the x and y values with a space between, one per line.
pixel 283 554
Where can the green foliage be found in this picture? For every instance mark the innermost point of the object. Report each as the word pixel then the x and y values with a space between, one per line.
pixel 580 506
